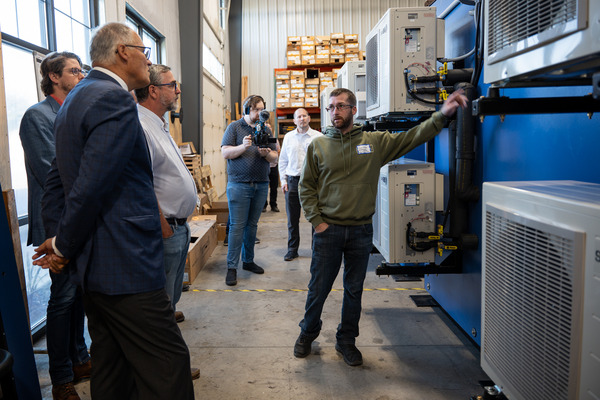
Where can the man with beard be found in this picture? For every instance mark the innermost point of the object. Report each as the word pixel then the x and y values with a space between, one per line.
pixel 338 187
pixel 67 352
pixel 248 182
pixel 173 184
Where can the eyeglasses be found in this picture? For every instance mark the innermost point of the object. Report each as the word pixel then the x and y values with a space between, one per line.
pixel 338 107
pixel 76 71
pixel 145 50
pixel 172 85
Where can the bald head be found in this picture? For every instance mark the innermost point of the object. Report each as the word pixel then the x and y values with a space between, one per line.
pixel 301 120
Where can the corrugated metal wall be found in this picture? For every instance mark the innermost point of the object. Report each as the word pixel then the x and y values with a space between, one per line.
pixel 266 24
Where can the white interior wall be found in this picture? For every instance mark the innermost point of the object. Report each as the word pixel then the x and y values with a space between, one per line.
pixel 163 15
pixel 213 101
pixel 266 24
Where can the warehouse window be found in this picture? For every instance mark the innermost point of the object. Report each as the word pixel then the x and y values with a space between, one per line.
pixel 150 36
pixel 213 65
pixel 31 29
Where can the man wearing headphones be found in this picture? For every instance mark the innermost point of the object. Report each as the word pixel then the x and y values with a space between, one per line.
pixel 248 183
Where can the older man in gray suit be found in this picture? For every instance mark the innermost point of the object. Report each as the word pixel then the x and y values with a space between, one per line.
pixel 67 352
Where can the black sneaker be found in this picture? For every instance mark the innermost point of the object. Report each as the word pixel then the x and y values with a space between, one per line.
pixel 256 241
pixel 226 240
pixel 350 353
pixel 265 208
pixel 231 279
pixel 302 346
pixel 290 256
pixel 274 209
pixel 253 268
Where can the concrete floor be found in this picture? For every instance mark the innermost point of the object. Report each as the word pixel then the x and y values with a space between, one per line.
pixel 242 337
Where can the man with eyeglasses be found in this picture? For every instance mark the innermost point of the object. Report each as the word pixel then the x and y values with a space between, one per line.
pixel 338 187
pixel 110 227
pixel 248 169
pixel 69 361
pixel 173 184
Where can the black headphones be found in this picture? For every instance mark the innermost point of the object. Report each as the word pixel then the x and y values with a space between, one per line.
pixel 247 103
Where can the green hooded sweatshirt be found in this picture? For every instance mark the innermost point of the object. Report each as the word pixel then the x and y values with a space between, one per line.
pixel 339 180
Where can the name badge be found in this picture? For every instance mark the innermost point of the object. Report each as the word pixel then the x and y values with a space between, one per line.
pixel 364 149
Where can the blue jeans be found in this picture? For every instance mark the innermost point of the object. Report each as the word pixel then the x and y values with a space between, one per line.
pixel 246 201
pixel 64 329
pixel 175 252
pixel 353 244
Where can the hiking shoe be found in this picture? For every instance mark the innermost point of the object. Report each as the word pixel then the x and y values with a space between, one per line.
pixel 350 353
pixel 231 279
pixel 290 256
pixel 302 346
pixel 253 268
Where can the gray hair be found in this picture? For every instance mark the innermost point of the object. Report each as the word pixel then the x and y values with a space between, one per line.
pixel 105 41
pixel 156 71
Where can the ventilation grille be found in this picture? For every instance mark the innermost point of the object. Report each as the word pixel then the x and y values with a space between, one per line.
pixel 529 311
pixel 372 69
pixel 511 22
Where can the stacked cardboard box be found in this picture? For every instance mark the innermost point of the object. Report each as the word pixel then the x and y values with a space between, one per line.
pixel 322 50
pixel 283 88
pixel 325 80
pixel 293 51
pixel 336 49
pixel 311 90
pixel 203 241
pixel 307 50
pixel 297 88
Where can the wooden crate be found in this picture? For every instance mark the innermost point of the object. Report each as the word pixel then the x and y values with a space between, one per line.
pixel 192 162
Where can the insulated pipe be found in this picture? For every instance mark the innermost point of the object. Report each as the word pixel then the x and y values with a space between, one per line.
pixel 464 191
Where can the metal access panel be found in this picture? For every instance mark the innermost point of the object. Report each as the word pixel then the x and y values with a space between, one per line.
pixel 404 38
pixel 353 76
pixel 406 194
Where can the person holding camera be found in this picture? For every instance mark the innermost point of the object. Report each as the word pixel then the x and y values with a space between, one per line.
pixel 248 151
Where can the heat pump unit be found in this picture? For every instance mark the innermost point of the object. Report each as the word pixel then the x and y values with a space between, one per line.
pixel 541 289
pixel 540 39
pixel 325 116
pixel 352 76
pixel 404 38
pixel 406 194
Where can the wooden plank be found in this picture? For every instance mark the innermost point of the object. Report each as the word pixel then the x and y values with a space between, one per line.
pixel 244 87
pixel 237 111
pixel 13 224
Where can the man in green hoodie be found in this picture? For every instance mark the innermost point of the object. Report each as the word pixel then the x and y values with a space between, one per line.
pixel 337 189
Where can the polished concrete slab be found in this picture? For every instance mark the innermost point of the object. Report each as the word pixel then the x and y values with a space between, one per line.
pixel 242 337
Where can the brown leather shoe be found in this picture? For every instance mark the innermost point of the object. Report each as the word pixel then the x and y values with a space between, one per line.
pixel 179 317
pixel 82 371
pixel 66 391
pixel 195 373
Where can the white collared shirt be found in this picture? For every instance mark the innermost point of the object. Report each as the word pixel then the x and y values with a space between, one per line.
pixel 173 184
pixel 114 76
pixel 293 152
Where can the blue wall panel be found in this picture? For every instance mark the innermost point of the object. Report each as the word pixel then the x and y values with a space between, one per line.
pixel 523 147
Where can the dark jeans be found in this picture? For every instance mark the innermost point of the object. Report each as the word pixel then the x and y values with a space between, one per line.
pixel 64 329
pixel 273 185
pixel 137 348
pixel 352 244
pixel 293 209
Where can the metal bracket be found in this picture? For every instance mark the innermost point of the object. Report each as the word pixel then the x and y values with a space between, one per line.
pixel 541 105
pixel 451 265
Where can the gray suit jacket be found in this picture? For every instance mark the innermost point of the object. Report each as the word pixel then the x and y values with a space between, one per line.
pixel 37 138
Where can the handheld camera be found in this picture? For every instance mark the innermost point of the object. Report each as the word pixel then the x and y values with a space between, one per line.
pixel 260 136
